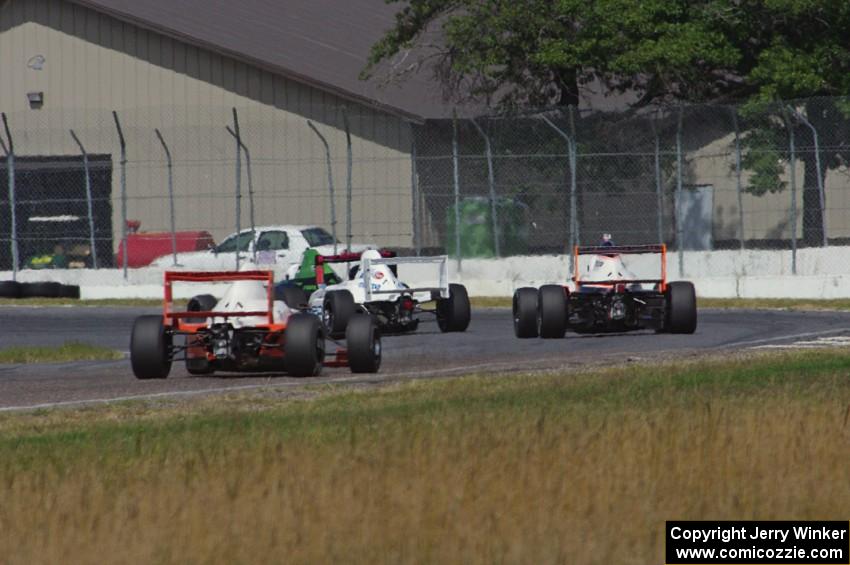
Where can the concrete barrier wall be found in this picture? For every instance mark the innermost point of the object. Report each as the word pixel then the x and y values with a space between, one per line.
pixel 821 273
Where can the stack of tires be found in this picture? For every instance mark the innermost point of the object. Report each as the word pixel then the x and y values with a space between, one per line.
pixel 42 289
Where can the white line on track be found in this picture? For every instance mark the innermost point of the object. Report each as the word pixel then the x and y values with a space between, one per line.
pixel 819 343
pixel 270 384
pixel 784 337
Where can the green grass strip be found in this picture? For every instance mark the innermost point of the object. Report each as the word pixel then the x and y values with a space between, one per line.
pixel 69 351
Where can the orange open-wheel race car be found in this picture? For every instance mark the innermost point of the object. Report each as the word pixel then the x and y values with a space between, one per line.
pixel 607 297
pixel 246 330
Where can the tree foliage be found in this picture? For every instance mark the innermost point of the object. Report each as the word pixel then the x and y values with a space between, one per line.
pixel 534 53
pixel 540 52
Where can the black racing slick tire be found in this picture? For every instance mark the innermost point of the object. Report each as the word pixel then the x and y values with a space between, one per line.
pixel 200 303
pixel 337 310
pixel 525 312
pixel 305 346
pixel 454 313
pixel 199 365
pixel 681 304
pixel 553 305
pixel 363 340
pixel 150 348
pixel 293 296
pixel 10 289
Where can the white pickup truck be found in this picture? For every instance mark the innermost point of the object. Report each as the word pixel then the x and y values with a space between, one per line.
pixel 278 245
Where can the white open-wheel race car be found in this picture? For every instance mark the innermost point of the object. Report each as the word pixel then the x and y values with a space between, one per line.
pixel 607 297
pixel 246 330
pixel 373 288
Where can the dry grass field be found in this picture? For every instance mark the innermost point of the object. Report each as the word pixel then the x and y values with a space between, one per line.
pixel 561 468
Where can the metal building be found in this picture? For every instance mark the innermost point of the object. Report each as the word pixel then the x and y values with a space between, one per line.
pixel 181 67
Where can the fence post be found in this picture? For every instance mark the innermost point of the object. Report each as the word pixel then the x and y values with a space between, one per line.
pixel 573 216
pixel 123 191
pixel 456 172
pixel 738 183
pixel 680 228
pixel 348 158
pixel 330 181
pixel 793 163
pixel 170 195
pixel 10 169
pixel 491 180
pixel 238 185
pixel 244 148
pixel 574 219
pixel 88 198
pixel 414 187
pixel 659 189
pixel 821 193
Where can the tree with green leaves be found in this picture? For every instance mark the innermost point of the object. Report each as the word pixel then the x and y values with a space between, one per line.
pixel 532 53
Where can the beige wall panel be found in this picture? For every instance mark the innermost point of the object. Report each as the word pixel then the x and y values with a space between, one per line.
pixel 767 216
pixel 95 64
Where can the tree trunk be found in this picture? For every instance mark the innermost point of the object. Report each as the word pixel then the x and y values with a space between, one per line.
pixel 812 216
pixel 567 81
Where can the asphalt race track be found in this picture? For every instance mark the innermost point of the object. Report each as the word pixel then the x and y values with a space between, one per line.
pixel 488 346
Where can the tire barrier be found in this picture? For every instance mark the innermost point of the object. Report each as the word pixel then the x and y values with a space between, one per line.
pixel 42 289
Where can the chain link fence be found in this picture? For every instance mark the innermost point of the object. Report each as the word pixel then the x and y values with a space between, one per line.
pixel 76 185
pixel 81 183
pixel 693 177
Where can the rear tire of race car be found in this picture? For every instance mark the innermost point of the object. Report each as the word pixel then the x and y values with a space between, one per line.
pixel 525 312
pixel 10 289
pixel 293 296
pixel 200 303
pixel 454 312
pixel 552 303
pixel 150 348
pixel 681 308
pixel 337 310
pixel 364 344
pixel 305 346
pixel 198 365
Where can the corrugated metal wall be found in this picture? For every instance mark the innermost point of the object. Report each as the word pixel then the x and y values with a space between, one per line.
pixel 94 64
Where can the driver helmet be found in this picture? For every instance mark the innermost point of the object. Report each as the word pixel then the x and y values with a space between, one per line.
pixel 607 241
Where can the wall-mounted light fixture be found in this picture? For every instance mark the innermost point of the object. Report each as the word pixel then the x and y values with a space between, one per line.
pixel 36 62
pixel 36 100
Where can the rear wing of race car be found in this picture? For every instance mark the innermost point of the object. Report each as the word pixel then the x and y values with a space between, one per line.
pixel 177 318
pixel 389 258
pixel 441 260
pixel 621 250
pixel 344 257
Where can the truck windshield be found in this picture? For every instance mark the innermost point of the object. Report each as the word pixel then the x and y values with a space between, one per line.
pixel 317 236
pixel 229 245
